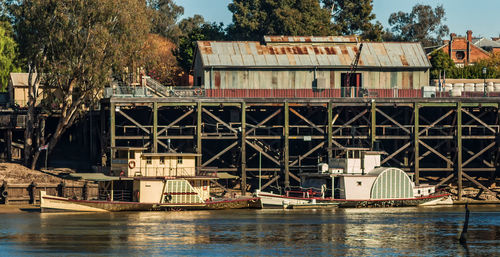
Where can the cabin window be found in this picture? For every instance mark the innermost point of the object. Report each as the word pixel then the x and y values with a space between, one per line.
pixel 460 55
pixel 419 191
pixel 131 154
pixel 148 160
pixel 359 183
pixel 162 160
pixel 179 160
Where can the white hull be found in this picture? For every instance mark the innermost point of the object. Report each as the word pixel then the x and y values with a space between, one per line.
pixel 275 200
pixel 440 201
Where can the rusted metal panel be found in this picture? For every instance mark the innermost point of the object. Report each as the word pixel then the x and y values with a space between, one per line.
pixel 391 55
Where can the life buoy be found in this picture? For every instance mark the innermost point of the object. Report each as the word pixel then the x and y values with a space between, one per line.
pixel 4 194
pixel 131 164
pixel 197 91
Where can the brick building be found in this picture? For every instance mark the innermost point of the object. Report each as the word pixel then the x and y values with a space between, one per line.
pixel 468 50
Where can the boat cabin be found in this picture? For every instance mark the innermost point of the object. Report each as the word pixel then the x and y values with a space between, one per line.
pixel 134 162
pixel 358 176
pixel 156 177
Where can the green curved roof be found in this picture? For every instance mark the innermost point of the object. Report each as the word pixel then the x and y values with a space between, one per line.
pixel 391 183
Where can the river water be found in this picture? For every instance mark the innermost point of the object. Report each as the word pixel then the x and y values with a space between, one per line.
pixel 429 231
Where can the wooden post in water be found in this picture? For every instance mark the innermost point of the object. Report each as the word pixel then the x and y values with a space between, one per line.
pixel 5 192
pixel 463 235
pixel 32 192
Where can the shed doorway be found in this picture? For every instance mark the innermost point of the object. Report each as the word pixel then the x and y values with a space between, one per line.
pixel 354 87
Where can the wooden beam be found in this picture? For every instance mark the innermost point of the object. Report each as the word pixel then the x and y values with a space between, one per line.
pixel 479 120
pixel 219 120
pixel 134 122
pixel 471 179
pixel 393 121
pixel 264 121
pixel 308 153
pixel 286 150
pixel 445 180
pixel 436 122
pixel 351 121
pixel 176 121
pixel 479 153
pixel 395 153
pixel 459 165
pixel 259 149
pixel 416 160
pixel 268 183
pixel 155 127
pixel 243 146
pixel 435 152
pixel 215 157
pixel 307 121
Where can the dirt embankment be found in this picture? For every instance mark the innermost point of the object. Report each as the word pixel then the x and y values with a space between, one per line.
pixel 15 173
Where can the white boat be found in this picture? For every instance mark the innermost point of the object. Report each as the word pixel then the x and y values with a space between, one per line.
pixel 158 181
pixel 357 180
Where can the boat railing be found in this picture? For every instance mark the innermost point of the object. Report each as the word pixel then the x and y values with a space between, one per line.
pixel 118 195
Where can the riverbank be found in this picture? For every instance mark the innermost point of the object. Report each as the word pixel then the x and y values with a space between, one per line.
pixel 18 208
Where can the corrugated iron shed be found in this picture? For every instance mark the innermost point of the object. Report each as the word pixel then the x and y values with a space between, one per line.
pixel 251 54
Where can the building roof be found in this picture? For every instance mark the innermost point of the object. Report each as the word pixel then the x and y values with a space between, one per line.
pixel 486 43
pixel 20 79
pixel 252 54
pixel 310 39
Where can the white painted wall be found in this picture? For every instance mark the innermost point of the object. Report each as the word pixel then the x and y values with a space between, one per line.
pixel 352 190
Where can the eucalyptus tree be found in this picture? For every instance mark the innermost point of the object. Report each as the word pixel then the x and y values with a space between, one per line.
pixel 253 19
pixel 423 24
pixel 73 47
pixel 354 17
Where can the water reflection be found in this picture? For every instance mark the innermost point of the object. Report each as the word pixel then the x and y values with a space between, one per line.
pixel 342 232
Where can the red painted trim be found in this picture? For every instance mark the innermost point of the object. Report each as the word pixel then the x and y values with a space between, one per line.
pixel 187 193
pixel 234 200
pixel 355 200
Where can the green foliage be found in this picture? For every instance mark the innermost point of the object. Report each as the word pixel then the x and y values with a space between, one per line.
pixel 75 44
pixel 423 24
pixel 252 19
pixel 442 63
pixel 164 15
pixel 355 17
pixel 187 44
pixel 8 54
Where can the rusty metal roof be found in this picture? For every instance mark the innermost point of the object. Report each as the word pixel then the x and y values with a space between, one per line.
pixel 310 39
pixel 252 54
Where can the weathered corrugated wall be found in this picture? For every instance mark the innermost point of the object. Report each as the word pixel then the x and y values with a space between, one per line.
pixel 305 78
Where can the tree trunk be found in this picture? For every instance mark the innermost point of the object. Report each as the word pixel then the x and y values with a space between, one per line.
pixel 30 118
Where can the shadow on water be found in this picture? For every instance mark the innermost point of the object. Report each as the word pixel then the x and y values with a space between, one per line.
pixel 342 232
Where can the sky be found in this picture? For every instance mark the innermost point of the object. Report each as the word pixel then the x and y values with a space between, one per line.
pixel 480 16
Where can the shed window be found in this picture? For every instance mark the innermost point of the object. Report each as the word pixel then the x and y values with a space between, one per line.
pixel 148 160
pixel 179 160
pixel 131 154
pixel 162 160
pixel 359 183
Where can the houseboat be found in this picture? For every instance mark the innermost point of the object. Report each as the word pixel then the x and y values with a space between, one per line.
pixel 150 181
pixel 356 180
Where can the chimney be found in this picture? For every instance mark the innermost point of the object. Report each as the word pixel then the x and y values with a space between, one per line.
pixel 469 35
pixel 452 35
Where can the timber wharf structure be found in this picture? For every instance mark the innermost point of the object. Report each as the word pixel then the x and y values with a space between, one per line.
pixel 439 140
